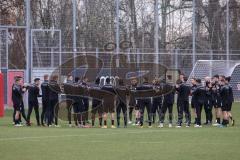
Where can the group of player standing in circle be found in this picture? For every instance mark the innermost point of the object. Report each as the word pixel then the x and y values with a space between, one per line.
pixel 216 93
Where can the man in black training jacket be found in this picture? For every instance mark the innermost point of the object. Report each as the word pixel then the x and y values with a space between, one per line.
pixel 122 93
pixel 45 99
pixel 145 102
pixel 33 94
pixel 183 91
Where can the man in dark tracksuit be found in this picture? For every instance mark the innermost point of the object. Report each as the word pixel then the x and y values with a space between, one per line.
pixel 183 91
pixel 224 94
pixel 54 102
pixel 45 99
pixel 145 102
pixel 17 99
pixel 85 101
pixel 108 102
pixel 133 103
pixel 200 95
pixel 69 101
pixel 230 101
pixel 216 99
pixel 168 101
pixel 208 105
pixel 77 105
pixel 193 100
pixel 157 101
pixel 122 92
pixel 33 94
pixel 97 105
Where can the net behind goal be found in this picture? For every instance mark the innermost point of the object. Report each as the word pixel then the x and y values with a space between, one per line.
pixel 204 68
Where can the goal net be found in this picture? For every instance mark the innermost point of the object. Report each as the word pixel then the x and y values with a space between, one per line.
pixel 204 68
pixel 209 68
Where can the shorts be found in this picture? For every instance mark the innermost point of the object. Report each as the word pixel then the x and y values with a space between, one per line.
pixel 224 108
pixel 131 106
pixel 97 108
pixel 78 107
pixel 108 108
pixel 136 107
pixel 192 105
pixel 229 107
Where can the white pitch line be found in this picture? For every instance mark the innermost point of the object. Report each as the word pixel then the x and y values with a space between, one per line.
pixel 98 134
pixel 64 136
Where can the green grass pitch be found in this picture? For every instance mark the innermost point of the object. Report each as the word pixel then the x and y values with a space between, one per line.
pixel 39 143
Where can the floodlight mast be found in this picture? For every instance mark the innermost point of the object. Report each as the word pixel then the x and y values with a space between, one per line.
pixel 193 30
pixel 117 3
pixel 227 40
pixel 74 34
pixel 156 35
pixel 28 49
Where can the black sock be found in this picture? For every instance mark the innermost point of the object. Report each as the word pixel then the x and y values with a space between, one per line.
pixel 100 121
pixel 227 122
pixel 136 121
pixel 93 122
pixel 118 121
pixel 112 122
pixel 17 122
pixel 195 121
pixel 125 121
pixel 105 122
pixel 224 122
pixel 218 120
pixel 130 115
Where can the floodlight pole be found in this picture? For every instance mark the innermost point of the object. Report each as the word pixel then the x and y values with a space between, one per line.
pixel 156 35
pixel 74 33
pixel 194 33
pixel 117 31
pixel 227 40
pixel 28 49
pixel 74 24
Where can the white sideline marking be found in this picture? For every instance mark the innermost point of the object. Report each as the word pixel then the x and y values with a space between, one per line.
pixel 64 136
pixel 98 134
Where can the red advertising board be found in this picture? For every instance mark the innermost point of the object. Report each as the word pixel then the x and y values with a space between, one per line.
pixel 1 95
pixel 11 75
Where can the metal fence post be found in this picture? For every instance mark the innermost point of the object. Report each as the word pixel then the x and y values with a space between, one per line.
pixel 211 58
pixel 97 55
pixel 28 53
pixel 176 58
